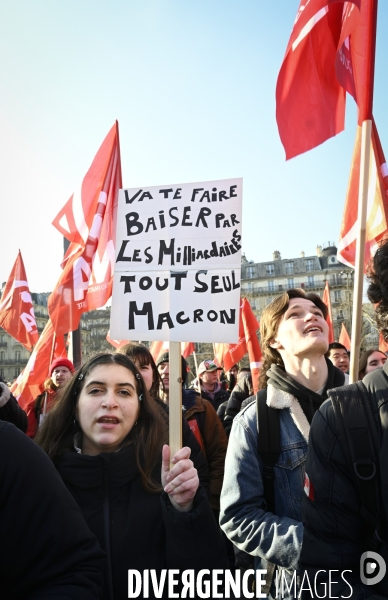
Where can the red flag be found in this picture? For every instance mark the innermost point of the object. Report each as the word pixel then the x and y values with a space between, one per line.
pixel 377 203
pixel 383 345
pixel 227 355
pixel 344 338
pixel 356 55
pixel 331 49
pixel 88 220
pixel 187 349
pixel 157 348
pixel 327 300
pixel 251 326
pixel 115 343
pixel 230 354
pixel 16 310
pixel 30 382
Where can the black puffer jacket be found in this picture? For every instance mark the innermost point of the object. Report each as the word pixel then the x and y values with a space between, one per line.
pixel 334 531
pixel 137 529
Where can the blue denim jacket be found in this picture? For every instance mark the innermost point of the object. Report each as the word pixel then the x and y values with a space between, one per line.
pixel 266 536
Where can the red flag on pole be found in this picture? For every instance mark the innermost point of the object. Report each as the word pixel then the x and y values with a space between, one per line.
pixel 115 343
pixel 344 338
pixel 30 382
pixel 251 326
pixel 157 348
pixel 377 204
pixel 230 354
pixel 331 49
pixel 87 219
pixel 16 310
pixel 327 300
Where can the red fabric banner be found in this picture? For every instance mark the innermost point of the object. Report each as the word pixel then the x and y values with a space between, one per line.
pixel 228 355
pixel 30 382
pixel 377 203
pixel 157 348
pixel 16 310
pixel 115 343
pixel 327 300
pixel 88 220
pixel 331 49
pixel 344 338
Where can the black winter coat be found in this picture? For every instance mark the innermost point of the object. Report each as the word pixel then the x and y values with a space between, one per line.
pixel 139 530
pixel 13 413
pixel 242 390
pixel 46 550
pixel 334 531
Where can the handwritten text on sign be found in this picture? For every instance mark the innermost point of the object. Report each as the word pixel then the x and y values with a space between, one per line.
pixel 178 261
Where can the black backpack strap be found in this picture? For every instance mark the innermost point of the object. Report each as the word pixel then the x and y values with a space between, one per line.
pixel 358 438
pixel 268 429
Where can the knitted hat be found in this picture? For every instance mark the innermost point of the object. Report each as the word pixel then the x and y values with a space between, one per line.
pixel 165 357
pixel 62 362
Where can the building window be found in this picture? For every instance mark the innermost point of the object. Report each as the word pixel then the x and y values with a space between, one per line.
pixel 289 268
pixel 249 287
pixel 337 296
pixel 2 373
pixel 290 282
pixel 310 281
pixel 309 264
pixel 16 372
pixel 2 356
pixel 340 315
pixel 271 286
pixel 17 356
pixel 270 270
pixel 250 272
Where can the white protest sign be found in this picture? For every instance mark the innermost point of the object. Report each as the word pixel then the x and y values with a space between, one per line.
pixel 178 263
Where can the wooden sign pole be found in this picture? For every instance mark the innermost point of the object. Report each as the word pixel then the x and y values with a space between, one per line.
pixel 175 398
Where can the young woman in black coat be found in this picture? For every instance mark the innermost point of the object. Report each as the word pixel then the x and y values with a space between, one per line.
pixel 107 438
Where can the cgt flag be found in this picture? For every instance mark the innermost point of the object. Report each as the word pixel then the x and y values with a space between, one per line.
pixel 377 203
pixel 16 310
pixel 331 50
pixel 30 381
pixel 230 354
pixel 87 220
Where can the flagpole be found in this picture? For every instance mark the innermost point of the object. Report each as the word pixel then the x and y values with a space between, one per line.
pixel 195 363
pixel 366 133
pixel 75 353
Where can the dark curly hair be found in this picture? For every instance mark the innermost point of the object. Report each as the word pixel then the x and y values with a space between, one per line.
pixel 56 433
pixel 377 274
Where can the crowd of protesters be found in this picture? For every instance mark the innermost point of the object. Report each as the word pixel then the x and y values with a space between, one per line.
pixel 262 481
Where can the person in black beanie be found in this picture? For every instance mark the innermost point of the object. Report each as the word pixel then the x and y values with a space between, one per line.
pixel 296 377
